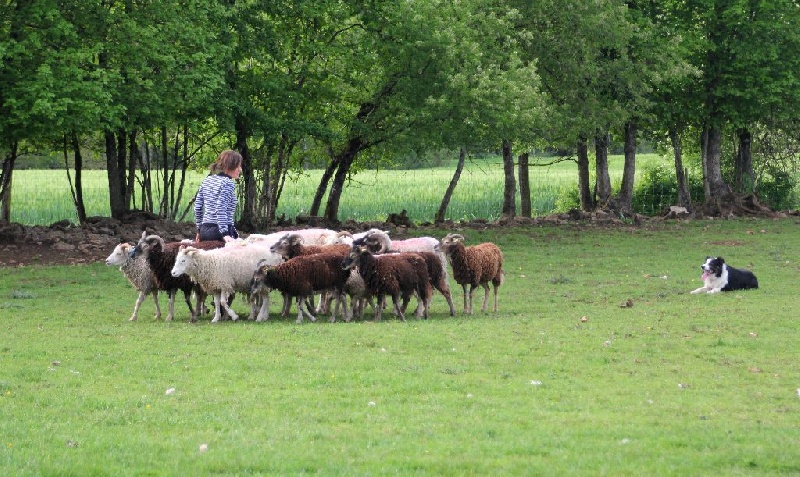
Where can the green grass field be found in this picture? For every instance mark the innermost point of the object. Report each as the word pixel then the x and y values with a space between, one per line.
pixel 675 384
pixel 42 197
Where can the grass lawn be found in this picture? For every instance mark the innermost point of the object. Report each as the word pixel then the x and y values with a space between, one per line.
pixel 654 381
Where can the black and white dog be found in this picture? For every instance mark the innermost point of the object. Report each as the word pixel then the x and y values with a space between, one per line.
pixel 718 276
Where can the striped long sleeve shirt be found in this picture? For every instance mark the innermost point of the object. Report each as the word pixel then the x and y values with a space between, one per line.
pixel 216 202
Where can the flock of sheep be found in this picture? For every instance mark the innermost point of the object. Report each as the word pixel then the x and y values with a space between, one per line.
pixel 363 269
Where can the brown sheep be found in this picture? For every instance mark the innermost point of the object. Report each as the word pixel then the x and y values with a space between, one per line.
pixel 398 275
pixel 300 278
pixel 472 266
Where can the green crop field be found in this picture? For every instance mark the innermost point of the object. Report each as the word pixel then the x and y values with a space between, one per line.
pixel 42 197
pixel 599 362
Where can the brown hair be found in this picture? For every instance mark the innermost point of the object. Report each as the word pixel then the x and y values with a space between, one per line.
pixel 228 160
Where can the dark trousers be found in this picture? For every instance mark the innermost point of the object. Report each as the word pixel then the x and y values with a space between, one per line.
pixel 211 232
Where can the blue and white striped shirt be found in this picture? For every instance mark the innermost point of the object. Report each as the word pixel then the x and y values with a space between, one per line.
pixel 216 202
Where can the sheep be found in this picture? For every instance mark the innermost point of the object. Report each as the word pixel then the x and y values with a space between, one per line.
pixel 138 272
pixel 223 271
pixel 291 245
pixel 310 236
pixel 348 238
pixel 160 257
pixel 379 242
pixel 399 275
pixel 300 277
pixel 474 265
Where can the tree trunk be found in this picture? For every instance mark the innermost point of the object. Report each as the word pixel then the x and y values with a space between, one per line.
pixel 603 179
pixel 704 162
pixel 323 187
pixel 718 188
pixel 625 197
pixel 345 160
pixel 133 160
pixel 80 208
pixel 524 185
pixel 247 219
pixel 684 196
pixel 745 176
pixel 462 155
pixel 587 202
pixel 5 183
pixel 510 184
pixel 116 187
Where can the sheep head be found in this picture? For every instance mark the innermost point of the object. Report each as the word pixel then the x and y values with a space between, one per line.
pixel 184 258
pixel 258 282
pixel 354 256
pixel 120 255
pixel 378 241
pixel 449 243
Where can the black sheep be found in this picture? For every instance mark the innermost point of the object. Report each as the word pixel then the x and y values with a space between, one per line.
pixel 161 258
pixel 301 277
pixel 398 275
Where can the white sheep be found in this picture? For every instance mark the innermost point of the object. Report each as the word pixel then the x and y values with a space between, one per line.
pixel 348 238
pixel 138 272
pixel 310 236
pixel 473 266
pixel 223 271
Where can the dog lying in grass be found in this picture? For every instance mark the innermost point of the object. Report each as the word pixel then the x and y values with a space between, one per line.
pixel 719 276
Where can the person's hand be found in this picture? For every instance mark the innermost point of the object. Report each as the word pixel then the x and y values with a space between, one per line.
pixel 228 238
pixel 197 238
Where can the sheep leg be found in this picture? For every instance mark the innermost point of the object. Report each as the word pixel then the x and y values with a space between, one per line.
pixel 346 311
pixel 223 299
pixel 486 297
pixel 495 298
pixel 139 300
pixel 340 300
pixel 263 312
pixel 171 313
pixel 217 314
pixel 379 308
pixel 303 300
pixel 187 297
pixel 324 304
pixel 255 304
pixel 287 305
pixel 449 297
pixel 466 296
pixel 400 311
pixel 200 303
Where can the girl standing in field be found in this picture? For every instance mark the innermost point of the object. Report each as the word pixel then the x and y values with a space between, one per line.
pixel 215 203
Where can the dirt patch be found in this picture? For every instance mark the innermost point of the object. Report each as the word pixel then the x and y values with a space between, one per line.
pixel 63 243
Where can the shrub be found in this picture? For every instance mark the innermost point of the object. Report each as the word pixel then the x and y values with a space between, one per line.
pixel 778 190
pixel 658 189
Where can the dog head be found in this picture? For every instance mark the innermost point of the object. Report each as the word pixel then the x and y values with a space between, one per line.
pixel 713 266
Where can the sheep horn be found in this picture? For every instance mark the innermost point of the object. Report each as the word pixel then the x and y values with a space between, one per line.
pixel 155 239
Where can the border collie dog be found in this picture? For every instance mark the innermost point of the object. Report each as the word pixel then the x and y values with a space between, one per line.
pixel 719 276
